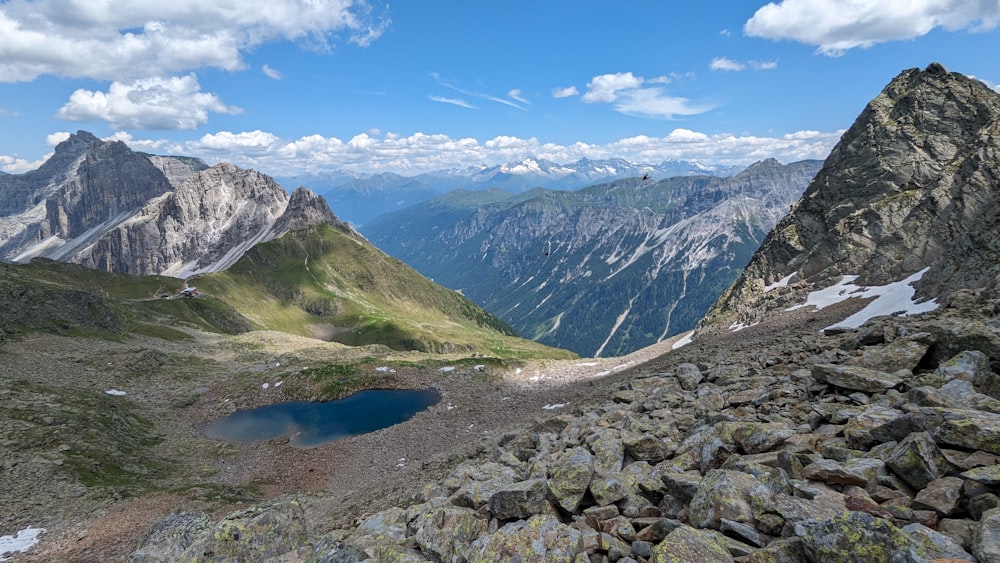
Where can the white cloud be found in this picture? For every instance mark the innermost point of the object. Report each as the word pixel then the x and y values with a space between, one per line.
pixel 421 152
pixel 123 41
pixel 727 64
pixel 565 92
pixel 722 63
pixel 515 94
pixel 607 87
pixel 148 103
pixel 54 139
pixel 270 72
pixel 836 26
pixel 626 92
pixel 15 165
pixel 453 101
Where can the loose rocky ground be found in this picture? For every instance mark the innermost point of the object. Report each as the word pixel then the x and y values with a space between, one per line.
pixel 775 443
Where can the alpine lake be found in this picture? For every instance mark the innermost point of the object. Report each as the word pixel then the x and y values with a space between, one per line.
pixel 308 424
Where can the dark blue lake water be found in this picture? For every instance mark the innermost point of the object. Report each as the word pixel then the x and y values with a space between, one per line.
pixel 313 424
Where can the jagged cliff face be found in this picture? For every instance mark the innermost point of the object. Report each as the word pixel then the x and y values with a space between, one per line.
pixel 912 185
pixel 104 206
pixel 602 271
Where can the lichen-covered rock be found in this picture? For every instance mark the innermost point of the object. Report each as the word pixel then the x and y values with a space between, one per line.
pixel 965 428
pixel 856 377
pixel 931 544
pixel 688 545
pixel 606 443
pixel 728 494
pixel 608 487
pixel 986 537
pixel 569 477
pixel 860 471
pixel 171 536
pixel 520 500
pixel 447 532
pixel 257 533
pixel 854 537
pixel 689 376
pixel 900 354
pixel 917 460
pixel 540 538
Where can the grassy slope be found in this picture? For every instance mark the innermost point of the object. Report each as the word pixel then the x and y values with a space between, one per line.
pixel 326 282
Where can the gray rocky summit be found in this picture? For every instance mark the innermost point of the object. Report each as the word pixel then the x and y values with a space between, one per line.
pixel 911 185
pixel 104 206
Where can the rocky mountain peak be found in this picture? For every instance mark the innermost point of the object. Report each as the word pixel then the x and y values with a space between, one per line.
pixel 912 185
pixel 100 204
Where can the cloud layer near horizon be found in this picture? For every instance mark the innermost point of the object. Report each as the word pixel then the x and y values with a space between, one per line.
pixel 419 152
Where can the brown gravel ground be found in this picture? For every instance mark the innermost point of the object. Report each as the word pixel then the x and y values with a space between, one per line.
pixel 347 479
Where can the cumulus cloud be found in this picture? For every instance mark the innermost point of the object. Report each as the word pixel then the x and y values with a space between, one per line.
pixel 836 26
pixel 422 152
pixel 270 72
pixel 148 103
pixel 565 92
pixel 15 165
pixel 630 95
pixel 124 41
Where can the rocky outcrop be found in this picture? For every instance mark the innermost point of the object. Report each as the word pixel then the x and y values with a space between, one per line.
pixel 104 206
pixel 766 454
pixel 911 185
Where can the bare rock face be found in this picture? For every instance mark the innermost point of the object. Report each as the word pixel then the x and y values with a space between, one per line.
pixel 912 184
pixel 105 206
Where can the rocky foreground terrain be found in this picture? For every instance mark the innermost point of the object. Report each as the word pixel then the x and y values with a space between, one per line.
pixel 773 443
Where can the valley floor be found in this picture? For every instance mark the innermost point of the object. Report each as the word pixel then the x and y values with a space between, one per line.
pixel 181 386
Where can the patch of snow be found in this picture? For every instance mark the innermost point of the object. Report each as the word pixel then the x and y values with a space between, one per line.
pixel 20 542
pixel 449 406
pixel 278 384
pixel 737 326
pixel 622 366
pixel 480 367
pixel 587 364
pixel 895 298
pixel 783 282
pixel 601 373
pixel 554 406
pixel 385 369
pixel 683 341
pixel 115 392
pixel 892 299
pixel 265 385
pixel 447 369
pixel 840 291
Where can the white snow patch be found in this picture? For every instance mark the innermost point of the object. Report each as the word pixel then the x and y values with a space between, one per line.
pixel 278 384
pixel 265 386
pixel 446 369
pixel 554 406
pixel 623 366
pixel 783 282
pixel 891 299
pixel 385 369
pixel 683 341
pixel 115 392
pixel 827 296
pixel 737 326
pixel 20 542
pixel 587 364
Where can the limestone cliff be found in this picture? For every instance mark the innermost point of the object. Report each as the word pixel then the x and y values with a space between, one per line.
pixel 104 206
pixel 913 184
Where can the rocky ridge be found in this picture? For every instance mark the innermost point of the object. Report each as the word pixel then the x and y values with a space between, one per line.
pixel 911 185
pixel 104 206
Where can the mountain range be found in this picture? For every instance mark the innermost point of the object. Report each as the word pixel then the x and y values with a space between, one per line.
pixel 604 270
pixel 358 198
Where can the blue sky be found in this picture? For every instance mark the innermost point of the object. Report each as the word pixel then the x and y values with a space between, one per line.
pixel 298 86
